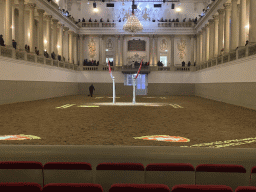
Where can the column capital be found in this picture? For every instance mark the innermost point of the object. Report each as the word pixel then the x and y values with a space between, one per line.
pixel 206 25
pixel 55 21
pixel 81 36
pixel 21 1
pixel 227 6
pixel 60 25
pixel 203 29
pixel 70 32
pixel 31 5
pixel 65 28
pixel 172 36
pixel 75 35
pixel 221 11
pixel 40 11
pixel 48 17
pixel 215 17
pixel 150 36
pixel 211 21
pixel 234 1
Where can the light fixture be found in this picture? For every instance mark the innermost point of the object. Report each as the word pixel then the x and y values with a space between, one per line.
pixel 95 9
pixel 28 34
pixel 133 24
pixel 247 26
pixel 45 41
pixel 178 9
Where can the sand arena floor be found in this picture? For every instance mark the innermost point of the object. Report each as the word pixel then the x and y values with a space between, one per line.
pixel 82 120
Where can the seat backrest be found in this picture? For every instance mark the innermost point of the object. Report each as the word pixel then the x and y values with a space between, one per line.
pixel 67 172
pixel 20 186
pixel 21 171
pixel 112 173
pixel 221 174
pixel 196 188
pixel 72 187
pixel 170 174
pixel 139 188
pixel 245 189
pixel 253 177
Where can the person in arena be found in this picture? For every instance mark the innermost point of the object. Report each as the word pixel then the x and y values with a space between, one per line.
pixel 91 88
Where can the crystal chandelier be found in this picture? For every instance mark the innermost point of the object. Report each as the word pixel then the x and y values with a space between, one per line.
pixel 133 24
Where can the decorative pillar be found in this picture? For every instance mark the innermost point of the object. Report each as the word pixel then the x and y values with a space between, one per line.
pixel 221 30
pixel 216 29
pixel 60 40
pixel 242 34
pixel 54 35
pixel 201 47
pixel 192 38
pixel 154 50
pixel 211 38
pixel 227 27
pixel 172 51
pixel 100 48
pixel 103 51
pixel 81 58
pixel 21 43
pixel 40 31
pixel 121 50
pixel 70 33
pixel 151 49
pixel 198 48
pixel 234 26
pixel 116 48
pixel 75 48
pixel 252 19
pixel 207 39
pixel 203 44
pixel 65 44
pixel 8 23
pixel 31 7
pixel 48 33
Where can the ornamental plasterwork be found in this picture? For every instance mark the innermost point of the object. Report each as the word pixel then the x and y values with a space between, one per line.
pixel 163 45
pixel 109 44
pixel 135 57
pixel 181 47
pixel 92 48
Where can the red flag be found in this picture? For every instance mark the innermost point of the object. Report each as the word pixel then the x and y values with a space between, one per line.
pixel 139 69
pixel 109 68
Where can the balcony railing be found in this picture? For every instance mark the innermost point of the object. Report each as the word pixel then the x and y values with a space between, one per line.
pixel 239 53
pixel 23 55
pixel 176 24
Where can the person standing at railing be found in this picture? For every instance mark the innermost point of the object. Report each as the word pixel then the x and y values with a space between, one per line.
pixel 14 44
pixel 1 40
pixel 90 20
pixel 183 63
pixel 189 64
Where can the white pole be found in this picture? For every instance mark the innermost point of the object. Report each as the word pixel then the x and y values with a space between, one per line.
pixel 134 90
pixel 114 91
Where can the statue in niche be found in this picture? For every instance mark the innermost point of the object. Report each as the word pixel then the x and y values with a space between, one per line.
pixel 109 44
pixel 163 46
pixel 92 48
pixel 181 47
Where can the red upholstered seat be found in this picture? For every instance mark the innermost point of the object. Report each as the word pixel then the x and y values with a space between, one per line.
pixel 221 174
pixel 245 189
pixel 21 171
pixel 139 188
pixel 72 187
pixel 20 186
pixel 112 173
pixel 253 176
pixel 197 188
pixel 170 174
pixel 67 172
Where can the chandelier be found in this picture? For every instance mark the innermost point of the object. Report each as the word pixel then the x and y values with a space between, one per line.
pixel 133 24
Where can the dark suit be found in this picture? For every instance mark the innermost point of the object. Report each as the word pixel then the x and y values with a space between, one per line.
pixel 91 88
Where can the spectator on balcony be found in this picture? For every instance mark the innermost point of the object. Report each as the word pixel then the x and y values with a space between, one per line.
pixel 177 20
pixel 120 20
pixel 95 20
pixel 28 49
pixel 1 40
pixel 184 20
pixel 183 63
pixel 97 63
pixel 46 54
pixel 14 44
pixel 165 20
pixel 83 20
pixel 194 63
pixel 36 51
pixel 101 20
pixel 247 42
pixel 173 20
pixel 53 55
pixel 170 20
pixel 189 20
pixel 90 20
pixel 189 64
pixel 59 57
pixel 153 20
pixel 107 20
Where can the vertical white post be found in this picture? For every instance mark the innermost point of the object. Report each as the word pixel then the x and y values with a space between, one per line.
pixel 134 79
pixel 114 91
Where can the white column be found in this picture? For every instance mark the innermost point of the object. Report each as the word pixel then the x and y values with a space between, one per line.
pixel 192 38
pixel 117 49
pixel 100 48
pixel 60 40
pixel 216 29
pixel 201 47
pixel 207 39
pixel 203 44
pixel 75 48
pixel 252 19
pixel 211 38
pixel 221 30
pixel 48 34
pixel 227 27
pixel 8 22
pixel 198 48
pixel 242 35
pixel 154 50
pixel 151 49
pixel 54 35
pixel 121 50
pixel 81 58
pixel 70 34
pixel 65 44
pixel 234 26
pixel 20 42
pixel 103 48
pixel 40 31
pixel 31 7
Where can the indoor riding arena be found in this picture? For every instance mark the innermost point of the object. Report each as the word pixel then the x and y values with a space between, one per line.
pixel 93 106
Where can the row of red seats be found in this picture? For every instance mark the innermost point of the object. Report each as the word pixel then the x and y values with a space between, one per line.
pixel 90 187
pixel 170 174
